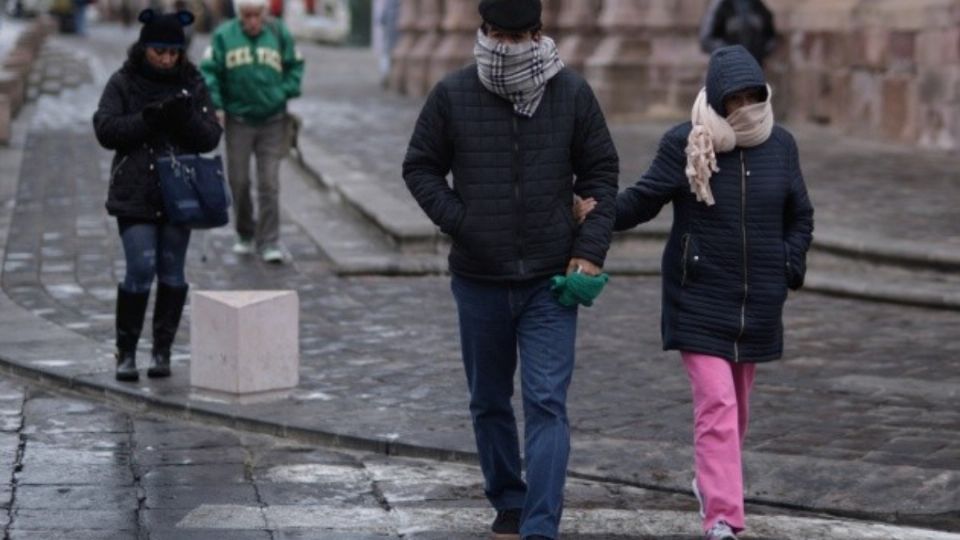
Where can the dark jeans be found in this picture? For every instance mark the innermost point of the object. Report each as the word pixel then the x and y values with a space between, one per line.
pixel 153 249
pixel 497 319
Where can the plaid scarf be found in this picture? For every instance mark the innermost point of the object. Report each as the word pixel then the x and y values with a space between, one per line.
pixel 517 72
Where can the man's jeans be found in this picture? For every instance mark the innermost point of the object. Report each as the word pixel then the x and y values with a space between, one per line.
pixel 267 142
pixel 497 318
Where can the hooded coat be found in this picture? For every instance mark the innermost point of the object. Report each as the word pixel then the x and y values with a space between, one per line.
pixel 726 268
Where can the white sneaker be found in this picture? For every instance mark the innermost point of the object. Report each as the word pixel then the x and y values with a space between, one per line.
pixel 696 493
pixel 720 531
pixel 271 254
pixel 243 247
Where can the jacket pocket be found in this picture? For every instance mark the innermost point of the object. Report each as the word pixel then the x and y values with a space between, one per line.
pixel 117 169
pixel 794 271
pixel 690 259
pixel 461 220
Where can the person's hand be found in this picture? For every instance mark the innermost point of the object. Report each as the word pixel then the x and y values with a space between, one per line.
pixel 178 109
pixel 582 207
pixel 582 265
pixel 153 115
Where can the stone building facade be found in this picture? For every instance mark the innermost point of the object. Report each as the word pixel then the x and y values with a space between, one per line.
pixel 886 69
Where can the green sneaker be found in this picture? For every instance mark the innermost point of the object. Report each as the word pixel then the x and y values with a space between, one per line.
pixel 244 246
pixel 272 255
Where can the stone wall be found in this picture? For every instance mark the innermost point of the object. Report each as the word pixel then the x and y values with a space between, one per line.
pixel 885 69
pixel 15 65
pixel 877 68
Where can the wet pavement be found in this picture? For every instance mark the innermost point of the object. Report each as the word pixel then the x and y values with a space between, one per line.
pixel 861 418
pixel 72 468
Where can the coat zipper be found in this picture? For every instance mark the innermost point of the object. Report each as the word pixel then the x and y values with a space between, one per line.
pixel 743 236
pixel 116 169
pixel 686 246
pixel 518 193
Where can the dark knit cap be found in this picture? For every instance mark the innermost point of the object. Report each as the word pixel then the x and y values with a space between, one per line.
pixel 511 15
pixel 164 30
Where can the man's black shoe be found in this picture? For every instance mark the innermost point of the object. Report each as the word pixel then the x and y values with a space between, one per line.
pixel 507 525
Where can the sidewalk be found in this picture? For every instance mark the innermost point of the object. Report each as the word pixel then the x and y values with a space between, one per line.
pixel 861 418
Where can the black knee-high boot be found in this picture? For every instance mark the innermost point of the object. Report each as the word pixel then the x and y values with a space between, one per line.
pixel 166 319
pixel 131 308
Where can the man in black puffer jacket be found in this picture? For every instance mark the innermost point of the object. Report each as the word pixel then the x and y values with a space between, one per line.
pixel 521 135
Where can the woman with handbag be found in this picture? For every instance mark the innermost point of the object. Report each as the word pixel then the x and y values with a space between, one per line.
pixel 156 105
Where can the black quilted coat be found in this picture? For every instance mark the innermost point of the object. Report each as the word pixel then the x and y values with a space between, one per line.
pixel 509 210
pixel 119 125
pixel 727 267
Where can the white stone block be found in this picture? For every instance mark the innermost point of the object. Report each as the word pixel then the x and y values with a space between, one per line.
pixel 244 342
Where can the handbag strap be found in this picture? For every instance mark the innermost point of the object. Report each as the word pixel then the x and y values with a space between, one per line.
pixel 201 194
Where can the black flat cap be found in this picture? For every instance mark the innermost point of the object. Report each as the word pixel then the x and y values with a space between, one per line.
pixel 511 15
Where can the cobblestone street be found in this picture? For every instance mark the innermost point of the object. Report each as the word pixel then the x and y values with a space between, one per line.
pixel 861 419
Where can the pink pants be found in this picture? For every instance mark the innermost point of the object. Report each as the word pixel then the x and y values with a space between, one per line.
pixel 721 408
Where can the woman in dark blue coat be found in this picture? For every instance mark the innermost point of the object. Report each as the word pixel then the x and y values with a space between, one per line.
pixel 154 106
pixel 741 229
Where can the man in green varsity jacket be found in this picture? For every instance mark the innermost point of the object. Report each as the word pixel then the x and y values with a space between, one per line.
pixel 253 68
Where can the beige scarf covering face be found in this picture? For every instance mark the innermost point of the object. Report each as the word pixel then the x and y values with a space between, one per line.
pixel 713 134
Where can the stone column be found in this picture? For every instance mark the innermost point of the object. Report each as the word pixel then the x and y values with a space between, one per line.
pixel 576 30
pixel 677 64
pixel 19 61
pixel 429 19
pixel 407 25
pixel 551 10
pixel 455 50
pixel 811 74
pixel 6 119
pixel 937 61
pixel 649 61
pixel 616 69
pixel 12 85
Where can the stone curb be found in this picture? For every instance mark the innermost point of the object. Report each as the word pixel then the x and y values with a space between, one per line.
pixel 651 460
pixel 382 210
pixel 402 221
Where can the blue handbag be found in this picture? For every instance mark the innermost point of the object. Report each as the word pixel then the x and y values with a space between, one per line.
pixel 195 194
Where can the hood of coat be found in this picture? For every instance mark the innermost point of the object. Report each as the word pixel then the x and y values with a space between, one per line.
pixel 731 70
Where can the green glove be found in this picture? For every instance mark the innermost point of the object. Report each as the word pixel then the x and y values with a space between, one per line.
pixel 578 288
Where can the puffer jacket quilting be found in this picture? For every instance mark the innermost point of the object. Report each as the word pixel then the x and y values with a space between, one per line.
pixel 509 210
pixel 727 267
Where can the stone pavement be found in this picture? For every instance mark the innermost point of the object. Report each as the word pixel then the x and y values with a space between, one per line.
pixel 861 418
pixel 72 468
